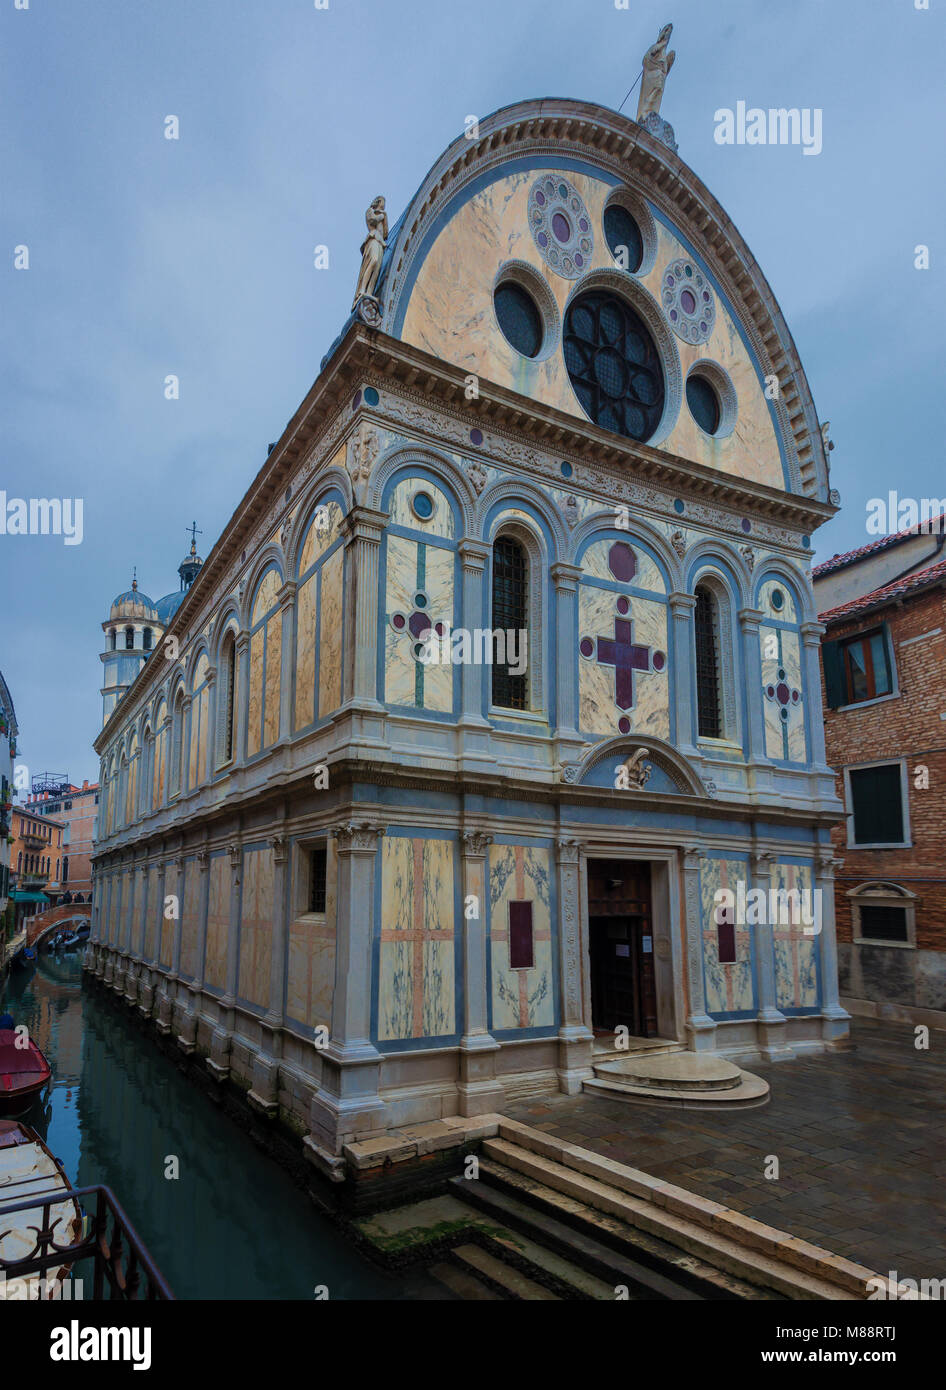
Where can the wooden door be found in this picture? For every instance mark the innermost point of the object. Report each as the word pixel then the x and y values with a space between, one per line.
pixel 623 990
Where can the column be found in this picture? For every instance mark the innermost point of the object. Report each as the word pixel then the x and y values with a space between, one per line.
pixel 770 1021
pixel 836 1019
pixel 750 620
pixel 264 1094
pixel 474 557
pixel 681 615
pixel 811 635
pixel 364 527
pixel 566 579
pixel 347 1104
pixel 575 1037
pixel 287 600
pixel 701 1029
pixel 478 1091
pixel 218 1063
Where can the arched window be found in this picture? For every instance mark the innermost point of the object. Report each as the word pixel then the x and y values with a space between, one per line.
pixel 19 862
pixel 200 717
pixel 65 869
pixel 160 755
pixel 147 639
pixel 129 639
pixel 112 639
pixel 510 616
pixel 227 696
pixel 177 744
pixel 706 627
pixel 57 870
pixel 131 788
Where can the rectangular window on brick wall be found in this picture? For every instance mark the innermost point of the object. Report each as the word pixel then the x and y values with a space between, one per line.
pixel 858 668
pixel 521 955
pixel 882 923
pixel 877 805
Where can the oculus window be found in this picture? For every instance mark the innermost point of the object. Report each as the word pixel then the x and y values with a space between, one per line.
pixel 624 238
pixel 519 318
pixel 704 403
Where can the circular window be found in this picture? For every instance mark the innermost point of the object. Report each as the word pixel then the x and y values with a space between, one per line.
pixel 613 365
pixel 518 317
pixel 778 600
pixel 623 236
pixel 423 505
pixel 704 403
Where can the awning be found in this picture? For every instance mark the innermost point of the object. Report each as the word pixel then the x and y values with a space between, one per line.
pixel 28 897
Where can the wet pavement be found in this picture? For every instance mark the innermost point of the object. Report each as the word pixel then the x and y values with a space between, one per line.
pixel 860 1138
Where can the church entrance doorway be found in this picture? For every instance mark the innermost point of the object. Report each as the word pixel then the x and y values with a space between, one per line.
pixel 621 945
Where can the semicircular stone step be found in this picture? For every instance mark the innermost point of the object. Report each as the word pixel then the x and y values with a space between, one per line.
pixel 675 1071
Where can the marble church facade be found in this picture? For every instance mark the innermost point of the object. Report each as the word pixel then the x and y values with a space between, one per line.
pixel 360 887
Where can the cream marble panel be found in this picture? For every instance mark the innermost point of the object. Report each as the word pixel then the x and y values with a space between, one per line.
pixel 273 676
pixel 729 987
pixel 598 712
pixel 311 983
pixel 783 738
pixel 153 918
pixel 416 992
pixel 169 923
pixel 796 955
pixel 322 532
pixel 305 652
pixel 190 918
pixel 254 722
pixel 218 922
pixel 330 633
pixel 403 514
pixel 451 315
pixel 594 562
pixel 256 927
pixel 521 998
pixel 785 614
pixel 267 595
pixel 401 585
pixel 438 676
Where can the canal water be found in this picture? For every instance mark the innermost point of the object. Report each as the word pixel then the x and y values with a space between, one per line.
pixel 233 1225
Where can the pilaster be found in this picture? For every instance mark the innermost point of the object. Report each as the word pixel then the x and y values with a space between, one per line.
pixel 575 1036
pixel 701 1029
pixel 836 1019
pixel 681 617
pixel 770 1021
pixel 566 579
pixel 479 1091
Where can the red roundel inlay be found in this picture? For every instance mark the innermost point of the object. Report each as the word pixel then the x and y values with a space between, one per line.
pixel 782 693
pixel 623 604
pixel 586 646
pixel 660 661
pixel 624 726
pixel 398 621
pixel 621 561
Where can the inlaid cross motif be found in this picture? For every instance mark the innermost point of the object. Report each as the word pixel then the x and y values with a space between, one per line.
pixel 626 656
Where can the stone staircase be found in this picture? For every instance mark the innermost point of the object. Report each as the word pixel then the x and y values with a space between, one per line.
pixel 654 1071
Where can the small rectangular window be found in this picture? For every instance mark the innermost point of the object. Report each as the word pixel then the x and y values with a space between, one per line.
pixel 726 935
pixel 318 861
pixel 521 956
pixel 865 667
pixel 877 804
pixel 882 923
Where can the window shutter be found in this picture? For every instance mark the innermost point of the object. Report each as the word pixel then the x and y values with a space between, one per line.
pixel 833 674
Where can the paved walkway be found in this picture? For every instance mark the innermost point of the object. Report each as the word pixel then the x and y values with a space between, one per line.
pixel 860 1137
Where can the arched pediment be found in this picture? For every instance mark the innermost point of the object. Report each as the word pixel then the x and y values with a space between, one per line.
pixel 659 768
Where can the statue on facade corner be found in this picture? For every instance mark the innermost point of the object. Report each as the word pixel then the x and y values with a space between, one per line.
pixel 657 63
pixel 372 252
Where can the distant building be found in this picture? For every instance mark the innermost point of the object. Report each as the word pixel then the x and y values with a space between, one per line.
pixel 8 732
pixel 134 625
pixel 76 808
pixel 35 861
pixel 884 658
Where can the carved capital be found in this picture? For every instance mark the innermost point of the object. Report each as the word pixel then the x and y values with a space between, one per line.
pixel 476 843
pixel 203 860
pixel 355 836
pixel 565 577
pixel 235 852
pixel 693 856
pixel 812 633
pixel 364 524
pixel 474 555
pixel 681 605
pixel 827 865
pixel 750 619
pixel 568 852
pixel 280 847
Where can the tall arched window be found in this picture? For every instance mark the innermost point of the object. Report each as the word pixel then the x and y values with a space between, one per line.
pixel 510 614
pixel 65 869
pixel 147 639
pixel 129 639
pixel 227 696
pixel 112 639
pixel 177 744
pixel 200 718
pixel 160 755
pixel 706 626
pixel 131 790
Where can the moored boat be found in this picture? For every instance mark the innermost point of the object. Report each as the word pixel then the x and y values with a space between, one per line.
pixel 24 1072
pixel 27 1170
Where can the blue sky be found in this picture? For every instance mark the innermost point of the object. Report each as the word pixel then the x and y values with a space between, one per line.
pixel 194 257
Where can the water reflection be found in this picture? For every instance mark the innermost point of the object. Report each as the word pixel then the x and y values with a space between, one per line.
pixel 233 1225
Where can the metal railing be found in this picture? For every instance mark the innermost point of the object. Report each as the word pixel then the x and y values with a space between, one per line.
pixel 122 1268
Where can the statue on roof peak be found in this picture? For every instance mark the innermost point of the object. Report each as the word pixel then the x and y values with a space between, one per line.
pixel 372 254
pixel 657 63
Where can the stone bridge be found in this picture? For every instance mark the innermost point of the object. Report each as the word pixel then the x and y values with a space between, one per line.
pixel 43 923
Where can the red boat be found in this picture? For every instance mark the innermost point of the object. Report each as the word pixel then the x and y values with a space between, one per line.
pixel 24 1072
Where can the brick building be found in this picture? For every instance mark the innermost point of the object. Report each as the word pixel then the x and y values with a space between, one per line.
pixel 76 808
pixel 884 654
pixel 35 860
